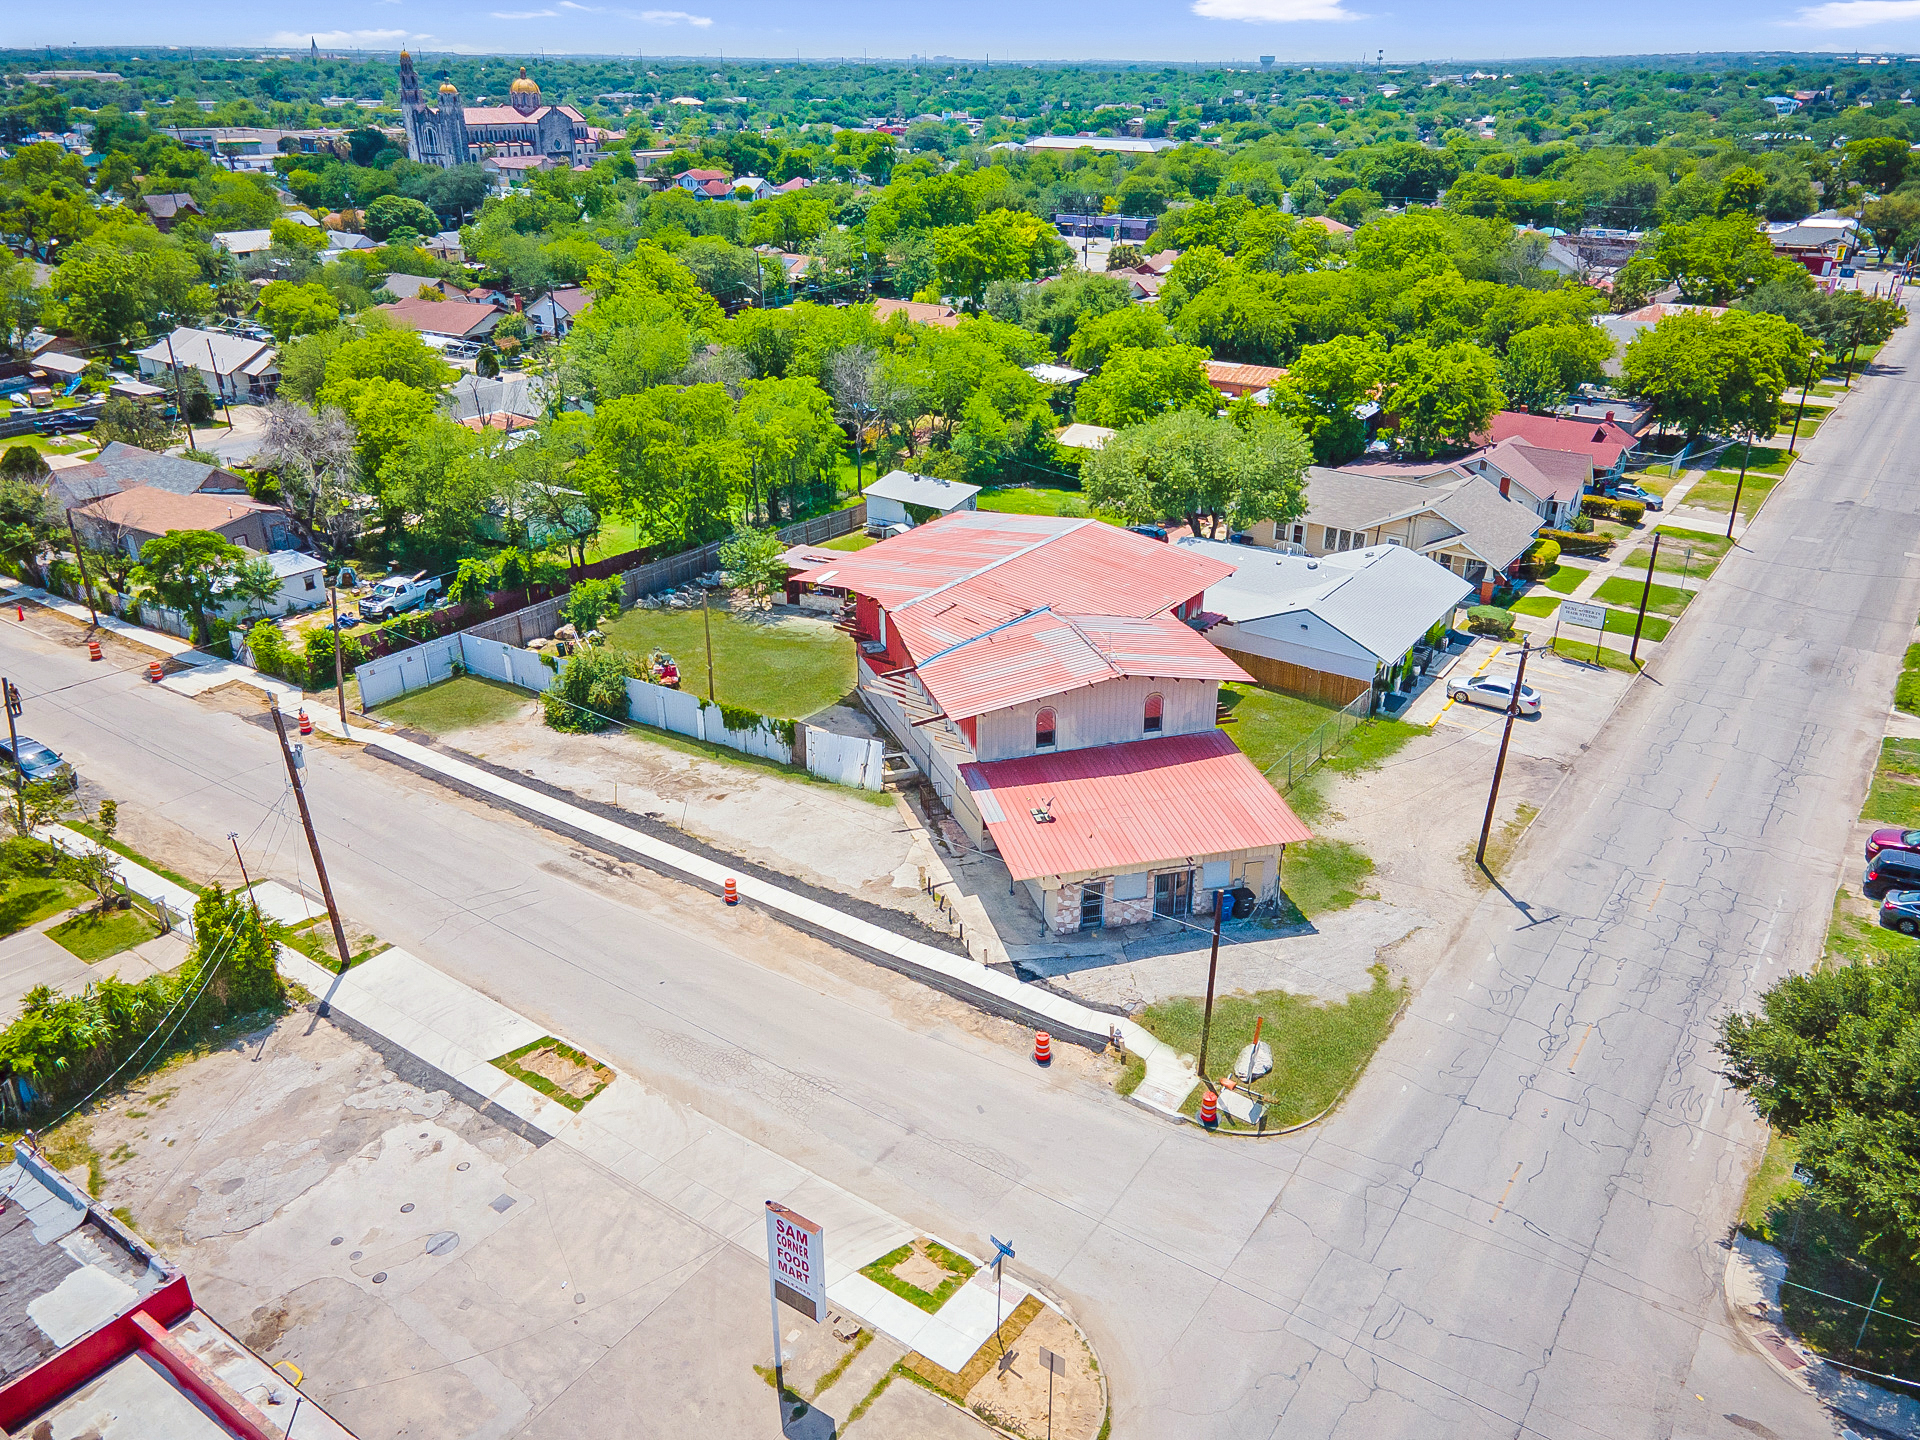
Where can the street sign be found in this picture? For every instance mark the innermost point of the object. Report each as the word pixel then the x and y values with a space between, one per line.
pixel 797 1260
pixel 1594 617
pixel 1053 1362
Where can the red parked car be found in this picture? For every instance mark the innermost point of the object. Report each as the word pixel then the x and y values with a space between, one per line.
pixel 1892 838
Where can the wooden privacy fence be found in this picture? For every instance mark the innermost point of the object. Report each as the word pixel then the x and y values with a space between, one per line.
pixel 1321 686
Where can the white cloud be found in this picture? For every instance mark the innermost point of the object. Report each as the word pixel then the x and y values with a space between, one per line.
pixel 1856 14
pixel 675 17
pixel 524 14
pixel 340 39
pixel 1282 12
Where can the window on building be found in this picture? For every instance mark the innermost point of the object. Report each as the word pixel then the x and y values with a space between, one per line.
pixel 1043 729
pixel 1333 539
pixel 313 582
pixel 1156 708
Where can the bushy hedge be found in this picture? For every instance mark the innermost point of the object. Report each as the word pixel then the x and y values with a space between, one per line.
pixel 1490 620
pixel 1572 544
pixel 1540 558
pixel 1601 507
pixel 590 691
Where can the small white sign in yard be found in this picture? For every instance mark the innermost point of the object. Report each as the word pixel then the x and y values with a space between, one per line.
pixel 797 1258
pixel 1573 612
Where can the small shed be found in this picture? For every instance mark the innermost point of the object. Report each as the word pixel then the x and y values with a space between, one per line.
pixel 895 496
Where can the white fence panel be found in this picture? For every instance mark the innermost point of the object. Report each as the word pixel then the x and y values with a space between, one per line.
pixel 845 759
pixel 497 660
pixel 682 713
pixel 406 670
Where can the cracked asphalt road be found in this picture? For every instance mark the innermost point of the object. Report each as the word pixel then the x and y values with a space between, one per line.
pixel 1513 1228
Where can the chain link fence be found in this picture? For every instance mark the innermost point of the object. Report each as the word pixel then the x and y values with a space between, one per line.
pixel 1329 736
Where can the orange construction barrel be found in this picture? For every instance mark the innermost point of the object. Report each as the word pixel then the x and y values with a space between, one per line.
pixel 1209 1109
pixel 732 891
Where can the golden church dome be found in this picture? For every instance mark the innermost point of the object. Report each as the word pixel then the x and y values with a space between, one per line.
pixel 525 86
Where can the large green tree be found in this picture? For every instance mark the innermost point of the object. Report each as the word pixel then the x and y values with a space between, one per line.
pixel 1203 468
pixel 185 570
pixel 1136 385
pixel 1440 396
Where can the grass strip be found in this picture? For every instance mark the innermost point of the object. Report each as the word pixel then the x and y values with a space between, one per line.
pixel 91 936
pixel 1582 652
pixel 959 1270
pixel 956 1386
pixel 866 1402
pixel 1626 591
pixel 1565 579
pixel 860 1342
pixel 1894 796
pixel 29 900
pixel 603 1077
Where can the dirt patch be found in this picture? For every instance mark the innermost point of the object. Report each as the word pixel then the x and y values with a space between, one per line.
pixel 576 1080
pixel 1015 1396
pixel 921 1270
pixel 557 1071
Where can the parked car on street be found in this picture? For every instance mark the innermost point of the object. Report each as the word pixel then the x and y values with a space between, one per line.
pixel 1892 837
pixel 1900 910
pixel 1891 870
pixel 1645 497
pixel 37 762
pixel 1496 692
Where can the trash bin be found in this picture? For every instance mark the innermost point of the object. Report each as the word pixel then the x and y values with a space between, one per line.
pixel 1243 901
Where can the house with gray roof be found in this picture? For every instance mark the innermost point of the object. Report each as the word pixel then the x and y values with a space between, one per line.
pixel 1462 521
pixel 120 466
pixel 236 368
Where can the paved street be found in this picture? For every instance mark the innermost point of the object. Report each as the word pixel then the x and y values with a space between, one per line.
pixel 1515 1224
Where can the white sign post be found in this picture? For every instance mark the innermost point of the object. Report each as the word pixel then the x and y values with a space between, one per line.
pixel 1594 617
pixel 796 1268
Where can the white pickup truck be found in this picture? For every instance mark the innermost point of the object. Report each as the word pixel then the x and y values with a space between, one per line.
pixel 397 593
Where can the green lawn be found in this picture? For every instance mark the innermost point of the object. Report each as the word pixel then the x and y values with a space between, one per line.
pixel 1707 551
pixel 1565 579
pixel 1619 622
pixel 1318 1048
pixel 785 668
pixel 855 541
pixel 1583 651
pixel 1268 724
pixel 25 902
pixel 1324 875
pixel 92 936
pixel 616 537
pixel 1033 500
pixel 1906 690
pixel 1625 591
pixel 1894 796
pixel 457 704
pixel 1714 491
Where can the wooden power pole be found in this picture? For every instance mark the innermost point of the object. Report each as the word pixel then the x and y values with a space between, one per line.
pixel 294 766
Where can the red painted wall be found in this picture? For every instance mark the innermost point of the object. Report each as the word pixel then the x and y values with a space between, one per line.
pixel 69 1369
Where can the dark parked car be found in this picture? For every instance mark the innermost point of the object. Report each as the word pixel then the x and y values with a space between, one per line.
pixel 1891 870
pixel 1901 911
pixel 37 762
pixel 1152 532
pixel 1892 837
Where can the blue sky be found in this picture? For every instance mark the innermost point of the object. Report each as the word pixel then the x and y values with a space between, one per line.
pixel 1299 30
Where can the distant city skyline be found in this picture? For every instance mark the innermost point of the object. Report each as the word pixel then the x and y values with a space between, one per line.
pixel 1221 31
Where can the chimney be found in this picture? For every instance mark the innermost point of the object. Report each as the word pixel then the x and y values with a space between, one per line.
pixel 519 309
pixel 1609 417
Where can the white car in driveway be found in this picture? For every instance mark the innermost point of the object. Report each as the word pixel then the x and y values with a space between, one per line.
pixel 1495 692
pixel 1645 497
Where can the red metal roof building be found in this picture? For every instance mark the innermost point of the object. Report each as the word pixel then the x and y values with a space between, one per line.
pixel 1014 654
pixel 1604 441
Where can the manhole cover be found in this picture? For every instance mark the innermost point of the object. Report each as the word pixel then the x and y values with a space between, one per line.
pixel 407 1209
pixel 336 1240
pixel 463 1165
pixel 379 1277
pixel 442 1243
pixel 579 1299
pixel 356 1255
pixel 503 1204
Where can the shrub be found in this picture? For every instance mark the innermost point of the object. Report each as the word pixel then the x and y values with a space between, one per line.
pixel 473 583
pixel 752 561
pixel 1581 525
pixel 591 601
pixel 1490 620
pixel 319 658
pixel 1573 542
pixel 590 691
pixel 1540 558
pixel 1627 512
pixel 271 653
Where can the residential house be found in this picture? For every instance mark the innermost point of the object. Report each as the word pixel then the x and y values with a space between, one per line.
pixel 1082 436
pixel 120 466
pixel 894 498
pixel 341 241
pixel 798 182
pixel 1056 374
pixel 1608 444
pixel 920 313
pixel 1328 224
pixel 1462 521
pixel 1144 289
pixel 705 184
pixel 1550 482
pixel 1234 380
pixel 303 586
pixel 129 519
pixel 513 392
pixel 446 245
pixel 105 1338
pixel 244 244
pixel 445 320
pixel 1329 628
pixel 167 211
pixel 1044 675
pixel 756 187
pixel 237 369
pixel 1623 328
pixel 554 312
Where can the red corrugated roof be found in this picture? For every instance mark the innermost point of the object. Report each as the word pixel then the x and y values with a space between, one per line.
pixel 1048 654
pixel 1122 807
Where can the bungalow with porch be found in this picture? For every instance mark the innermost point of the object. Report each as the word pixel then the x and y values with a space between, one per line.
pixel 1045 675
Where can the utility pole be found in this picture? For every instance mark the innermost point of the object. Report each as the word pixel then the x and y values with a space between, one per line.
pixel 1646 594
pixel 294 766
pixel 80 556
pixel 1213 967
pixel 339 682
pixel 1746 454
pixel 12 692
pixel 179 395
pixel 1801 409
pixel 706 618
pixel 1500 764
pixel 246 880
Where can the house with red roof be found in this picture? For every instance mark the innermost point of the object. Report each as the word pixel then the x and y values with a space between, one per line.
pixel 1046 676
pixel 1606 443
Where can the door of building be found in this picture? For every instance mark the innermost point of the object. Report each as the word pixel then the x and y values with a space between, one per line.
pixel 1093 904
pixel 1173 893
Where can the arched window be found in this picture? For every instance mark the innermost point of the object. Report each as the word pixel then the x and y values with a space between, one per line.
pixel 1155 709
pixel 1043 729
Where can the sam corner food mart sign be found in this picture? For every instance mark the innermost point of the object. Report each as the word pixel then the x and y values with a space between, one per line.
pixel 797 1259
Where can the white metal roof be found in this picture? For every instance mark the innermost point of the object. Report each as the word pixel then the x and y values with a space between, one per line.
pixel 1383 598
pixel 925 490
pixel 1056 374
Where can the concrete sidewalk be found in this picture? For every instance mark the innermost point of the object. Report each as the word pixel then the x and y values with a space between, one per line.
pixel 679 1158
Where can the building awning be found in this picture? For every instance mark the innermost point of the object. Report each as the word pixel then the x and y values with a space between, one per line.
pixel 1117 808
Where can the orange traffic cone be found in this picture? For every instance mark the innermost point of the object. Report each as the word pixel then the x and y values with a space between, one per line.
pixel 733 891
pixel 1209 1109
pixel 1042 1048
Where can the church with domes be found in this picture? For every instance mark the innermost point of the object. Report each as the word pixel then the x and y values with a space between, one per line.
pixel 448 133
